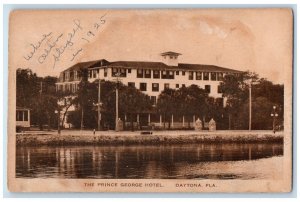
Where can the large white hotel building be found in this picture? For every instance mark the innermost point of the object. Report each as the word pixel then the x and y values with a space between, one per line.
pixel 149 77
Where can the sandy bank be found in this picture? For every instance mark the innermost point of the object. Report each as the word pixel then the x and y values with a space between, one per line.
pixel 135 138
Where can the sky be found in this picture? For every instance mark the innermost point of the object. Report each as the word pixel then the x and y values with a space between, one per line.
pixel 258 40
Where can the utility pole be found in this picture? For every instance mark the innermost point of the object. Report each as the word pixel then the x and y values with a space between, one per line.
pixel 117 101
pixel 250 104
pixel 40 106
pixel 99 104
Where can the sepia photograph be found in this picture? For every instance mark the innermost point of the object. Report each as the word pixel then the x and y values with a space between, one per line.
pixel 150 100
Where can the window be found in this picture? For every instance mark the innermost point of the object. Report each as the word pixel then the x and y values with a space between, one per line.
pixel 153 100
pixel 171 75
pixel 171 57
pixel 177 85
pixel 75 75
pixel 219 89
pixel 183 73
pixel 205 76
pixel 156 74
pixel 147 73
pixel 90 74
pixel 155 87
pixel 213 76
pixel 25 115
pixel 167 74
pixel 139 73
pixel 219 76
pixel 19 116
pixel 129 71
pixel 94 73
pixel 177 72
pixel 198 75
pixel 131 84
pixel 183 85
pixel 191 75
pixel 207 88
pixel 120 71
pixel 143 86
pixel 105 72
pixel 167 85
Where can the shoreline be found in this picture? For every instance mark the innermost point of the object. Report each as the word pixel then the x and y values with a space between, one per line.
pixel 85 138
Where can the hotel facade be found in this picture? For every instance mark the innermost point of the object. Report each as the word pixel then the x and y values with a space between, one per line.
pixel 150 78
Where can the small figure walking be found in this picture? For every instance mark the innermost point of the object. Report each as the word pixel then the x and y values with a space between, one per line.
pixel 94 131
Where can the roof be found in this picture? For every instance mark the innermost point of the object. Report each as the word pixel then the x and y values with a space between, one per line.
pixel 89 64
pixel 151 65
pixel 139 64
pixel 201 67
pixel 22 108
pixel 170 53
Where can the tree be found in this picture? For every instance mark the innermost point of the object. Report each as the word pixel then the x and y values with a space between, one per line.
pixel 167 105
pixel 192 100
pixel 133 101
pixel 38 94
pixel 264 95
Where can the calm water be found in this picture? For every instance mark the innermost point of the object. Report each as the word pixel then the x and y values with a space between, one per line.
pixel 193 161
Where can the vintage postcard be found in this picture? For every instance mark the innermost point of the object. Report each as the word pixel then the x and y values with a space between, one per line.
pixel 160 100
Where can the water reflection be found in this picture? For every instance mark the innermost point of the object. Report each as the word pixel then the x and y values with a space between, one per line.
pixel 225 161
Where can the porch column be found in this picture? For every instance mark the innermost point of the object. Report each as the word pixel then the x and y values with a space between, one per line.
pixel 160 120
pixel 172 121
pixel 125 118
pixel 182 121
pixel 149 119
pixel 194 120
pixel 137 118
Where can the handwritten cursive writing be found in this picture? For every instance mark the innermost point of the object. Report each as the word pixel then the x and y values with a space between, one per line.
pixel 76 53
pixel 69 42
pixel 35 47
pixel 47 50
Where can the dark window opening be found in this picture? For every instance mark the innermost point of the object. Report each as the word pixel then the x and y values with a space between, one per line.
pixel 191 75
pixel 220 76
pixel 156 74
pixel 121 72
pixel 177 72
pixel 167 74
pixel 105 72
pixel 167 85
pixel 213 76
pixel 143 86
pixel 131 84
pixel 129 71
pixel 199 76
pixel 207 88
pixel 205 76
pixel 177 85
pixel 140 73
pixel 183 73
pixel 219 89
pixel 155 87
pixel 147 73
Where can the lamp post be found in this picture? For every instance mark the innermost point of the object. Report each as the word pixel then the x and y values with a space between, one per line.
pixel 274 114
pixel 99 105
pixel 250 82
pixel 58 120
pixel 117 100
